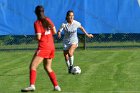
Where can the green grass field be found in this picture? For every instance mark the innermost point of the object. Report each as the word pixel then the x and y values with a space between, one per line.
pixel 103 71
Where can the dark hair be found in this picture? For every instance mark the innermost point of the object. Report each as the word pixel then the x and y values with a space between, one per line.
pixel 68 13
pixel 39 11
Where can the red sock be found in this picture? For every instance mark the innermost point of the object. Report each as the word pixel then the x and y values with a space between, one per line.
pixel 32 77
pixel 53 78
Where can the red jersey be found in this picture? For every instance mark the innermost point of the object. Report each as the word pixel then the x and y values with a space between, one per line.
pixel 46 42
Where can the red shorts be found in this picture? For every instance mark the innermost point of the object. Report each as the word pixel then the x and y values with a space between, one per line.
pixel 45 53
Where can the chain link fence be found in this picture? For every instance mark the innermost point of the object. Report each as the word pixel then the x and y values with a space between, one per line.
pixel 100 41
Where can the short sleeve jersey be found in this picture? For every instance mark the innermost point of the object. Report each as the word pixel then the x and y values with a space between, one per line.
pixel 46 42
pixel 70 31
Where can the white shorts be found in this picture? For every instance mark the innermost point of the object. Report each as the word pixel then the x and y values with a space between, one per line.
pixel 68 45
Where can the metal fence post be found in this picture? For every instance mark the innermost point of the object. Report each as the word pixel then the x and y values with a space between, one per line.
pixel 84 42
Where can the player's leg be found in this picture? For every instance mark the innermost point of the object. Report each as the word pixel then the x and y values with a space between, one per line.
pixel 72 49
pixel 33 66
pixel 66 46
pixel 65 52
pixel 71 55
pixel 47 66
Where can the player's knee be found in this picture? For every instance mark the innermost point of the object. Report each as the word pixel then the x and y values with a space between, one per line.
pixel 33 67
pixel 48 68
pixel 70 54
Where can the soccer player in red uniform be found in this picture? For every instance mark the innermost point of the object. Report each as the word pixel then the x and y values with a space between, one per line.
pixel 44 29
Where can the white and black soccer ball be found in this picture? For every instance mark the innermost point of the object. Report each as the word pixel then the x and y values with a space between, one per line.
pixel 76 70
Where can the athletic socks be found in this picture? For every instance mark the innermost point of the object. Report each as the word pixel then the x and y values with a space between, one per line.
pixel 32 77
pixel 53 78
pixel 71 60
pixel 68 63
pixel 51 75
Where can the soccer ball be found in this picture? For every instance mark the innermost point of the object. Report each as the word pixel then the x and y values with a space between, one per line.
pixel 76 70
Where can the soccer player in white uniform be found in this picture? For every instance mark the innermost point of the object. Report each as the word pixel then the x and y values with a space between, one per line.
pixel 70 41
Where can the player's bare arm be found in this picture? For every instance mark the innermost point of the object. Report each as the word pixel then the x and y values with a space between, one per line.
pixel 84 31
pixel 59 34
pixel 54 30
pixel 38 36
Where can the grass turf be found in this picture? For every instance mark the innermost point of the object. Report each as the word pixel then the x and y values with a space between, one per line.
pixel 103 71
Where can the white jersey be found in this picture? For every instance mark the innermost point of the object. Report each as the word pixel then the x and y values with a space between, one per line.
pixel 70 31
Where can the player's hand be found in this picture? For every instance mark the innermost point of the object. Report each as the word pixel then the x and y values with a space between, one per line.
pixel 90 35
pixel 59 35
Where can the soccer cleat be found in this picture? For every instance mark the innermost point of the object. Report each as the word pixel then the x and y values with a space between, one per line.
pixel 57 88
pixel 28 89
pixel 70 69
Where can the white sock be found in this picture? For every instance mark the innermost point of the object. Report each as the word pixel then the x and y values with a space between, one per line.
pixel 68 63
pixel 71 60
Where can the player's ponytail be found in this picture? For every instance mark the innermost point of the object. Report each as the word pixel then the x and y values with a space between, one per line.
pixel 39 11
